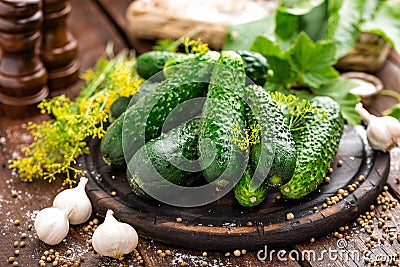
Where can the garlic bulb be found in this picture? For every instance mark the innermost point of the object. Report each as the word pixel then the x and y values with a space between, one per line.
pixel 382 132
pixel 77 200
pixel 51 225
pixel 113 238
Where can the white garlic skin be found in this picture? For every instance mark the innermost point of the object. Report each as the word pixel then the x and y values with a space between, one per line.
pixel 383 133
pixel 113 238
pixel 51 225
pixel 77 200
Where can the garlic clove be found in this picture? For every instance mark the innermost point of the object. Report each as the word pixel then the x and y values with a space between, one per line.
pixel 51 225
pixel 113 238
pixel 77 200
pixel 382 132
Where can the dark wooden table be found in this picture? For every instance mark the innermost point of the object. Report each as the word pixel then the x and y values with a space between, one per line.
pixel 94 23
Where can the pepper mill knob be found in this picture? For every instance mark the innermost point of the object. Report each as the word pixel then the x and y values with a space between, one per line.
pixel 22 74
pixel 59 47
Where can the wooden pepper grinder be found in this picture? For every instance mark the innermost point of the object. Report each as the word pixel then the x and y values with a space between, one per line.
pixel 22 74
pixel 59 46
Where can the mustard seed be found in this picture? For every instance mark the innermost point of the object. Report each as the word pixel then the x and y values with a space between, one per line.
pixel 204 254
pixel 16 252
pixel 236 253
pixel 243 251
pixel 168 252
pixel 179 219
pixel 113 193
pixel 11 259
pixel 227 254
pixel 290 216
pixel 16 222
pixel 327 179
pixel 204 263
pixel 340 163
pixel 183 263
pixel 22 244
pixel 15 263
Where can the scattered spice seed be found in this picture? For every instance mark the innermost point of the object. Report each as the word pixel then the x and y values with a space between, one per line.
pixel 327 179
pixel 278 197
pixel 168 252
pixel 236 253
pixel 11 259
pixel 22 244
pixel 227 254
pixel 243 251
pixel 16 244
pixel 204 263
pixel 159 252
pixel 204 254
pixel 179 219
pixel 16 252
pixel 16 222
pixel 249 224
pixel 290 216
pixel 15 263
pixel 14 193
pixel 162 254
pixel 113 193
pixel 183 263
pixel 23 235
pixel 312 240
pixel 340 163
pixel 330 170
pixel 30 226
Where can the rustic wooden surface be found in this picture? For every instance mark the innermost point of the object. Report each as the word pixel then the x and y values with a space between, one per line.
pixel 95 23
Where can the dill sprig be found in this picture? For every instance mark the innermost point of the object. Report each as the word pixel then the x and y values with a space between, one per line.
pixel 58 142
pixel 296 110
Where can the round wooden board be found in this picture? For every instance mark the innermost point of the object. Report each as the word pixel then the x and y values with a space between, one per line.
pixel 222 225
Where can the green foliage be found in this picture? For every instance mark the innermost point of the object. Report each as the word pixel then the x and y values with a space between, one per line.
pixel 59 141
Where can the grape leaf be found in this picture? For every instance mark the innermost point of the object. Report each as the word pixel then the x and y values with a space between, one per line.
pixel 313 61
pixel 241 36
pixel 386 23
pixel 343 24
pixel 339 90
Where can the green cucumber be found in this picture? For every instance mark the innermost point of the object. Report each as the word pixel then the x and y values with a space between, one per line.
pixel 152 62
pixel 157 104
pixel 274 157
pixel 255 65
pixel 222 110
pixel 121 103
pixel 245 194
pixel 176 146
pixel 316 146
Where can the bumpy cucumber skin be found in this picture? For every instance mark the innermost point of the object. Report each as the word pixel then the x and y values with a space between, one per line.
pixel 245 194
pixel 121 104
pixel 168 147
pixel 152 62
pixel 223 108
pixel 315 146
pixel 274 131
pixel 255 65
pixel 169 93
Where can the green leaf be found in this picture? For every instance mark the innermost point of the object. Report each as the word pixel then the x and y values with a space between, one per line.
pixel 343 24
pixel 313 61
pixel 266 47
pixel 386 23
pixel 294 17
pixel 241 36
pixel 339 90
pixel 300 7
pixel 283 73
pixel 394 111
pixel 291 23
pixel 370 9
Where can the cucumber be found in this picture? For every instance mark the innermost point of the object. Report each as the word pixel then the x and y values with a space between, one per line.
pixel 121 103
pixel 316 145
pixel 255 65
pixel 222 110
pixel 176 146
pixel 182 86
pixel 152 62
pixel 245 194
pixel 274 157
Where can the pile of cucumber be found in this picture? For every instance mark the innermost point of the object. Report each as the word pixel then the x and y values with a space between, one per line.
pixel 295 162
